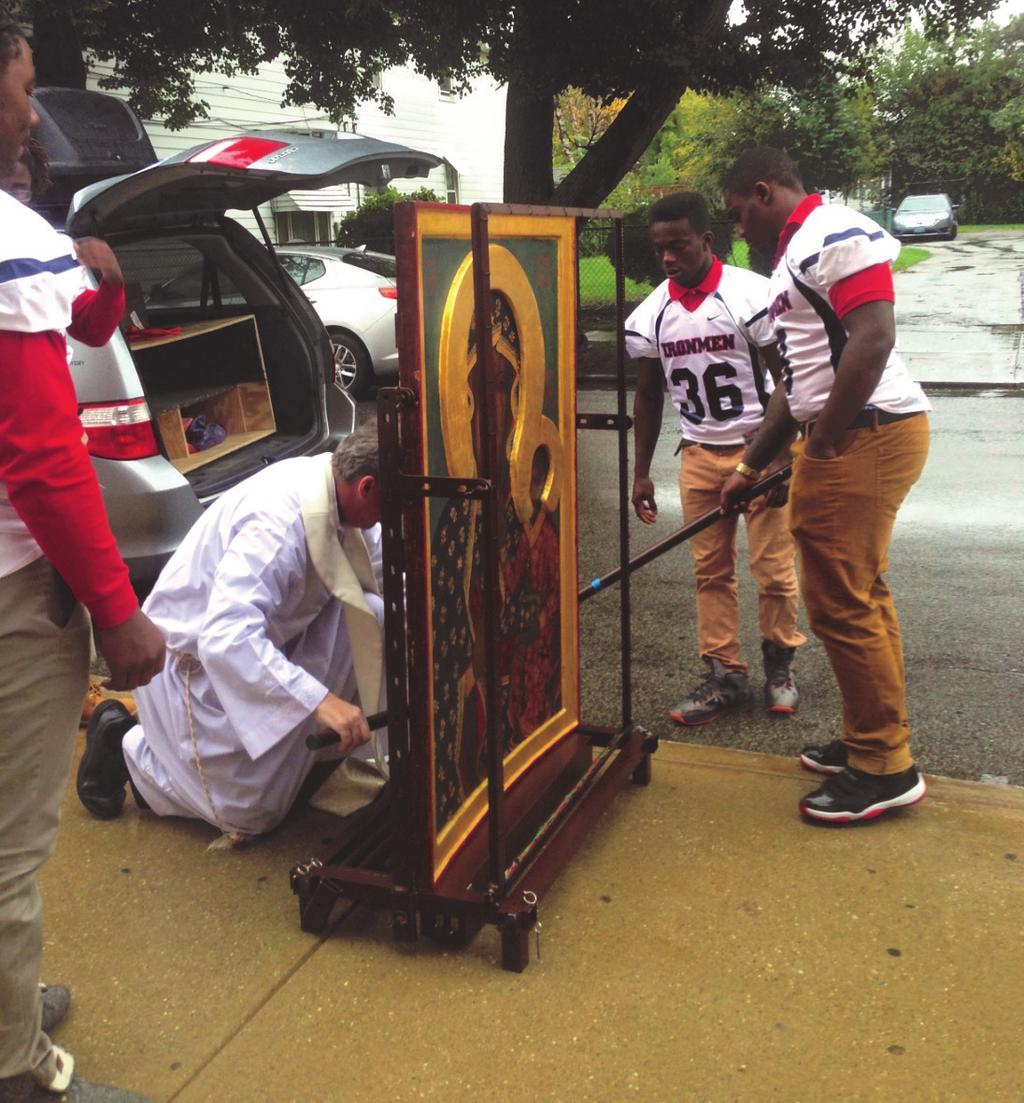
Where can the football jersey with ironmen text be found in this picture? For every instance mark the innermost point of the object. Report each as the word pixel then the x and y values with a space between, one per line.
pixel 708 354
pixel 832 244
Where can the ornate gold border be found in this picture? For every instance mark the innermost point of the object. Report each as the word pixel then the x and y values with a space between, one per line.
pixel 506 274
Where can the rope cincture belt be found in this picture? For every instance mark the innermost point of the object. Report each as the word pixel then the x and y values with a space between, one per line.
pixel 189 665
pixel 866 419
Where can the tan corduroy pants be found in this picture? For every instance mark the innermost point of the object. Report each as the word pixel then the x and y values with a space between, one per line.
pixel 770 554
pixel 842 512
pixel 44 671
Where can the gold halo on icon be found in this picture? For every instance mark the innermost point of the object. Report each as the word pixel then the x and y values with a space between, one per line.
pixel 532 431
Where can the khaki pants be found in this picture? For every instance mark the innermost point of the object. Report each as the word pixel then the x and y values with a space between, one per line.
pixel 44 671
pixel 842 512
pixel 770 552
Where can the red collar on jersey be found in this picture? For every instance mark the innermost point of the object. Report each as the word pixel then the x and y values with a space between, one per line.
pixel 692 297
pixel 795 221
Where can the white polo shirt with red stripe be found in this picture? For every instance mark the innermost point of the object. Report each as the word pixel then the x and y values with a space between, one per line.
pixel 832 259
pixel 40 278
pixel 705 339
pixel 50 501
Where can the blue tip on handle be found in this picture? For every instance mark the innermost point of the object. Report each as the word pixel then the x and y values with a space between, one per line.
pixel 596 584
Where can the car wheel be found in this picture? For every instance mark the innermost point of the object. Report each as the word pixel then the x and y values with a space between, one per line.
pixel 353 371
pixel 952 234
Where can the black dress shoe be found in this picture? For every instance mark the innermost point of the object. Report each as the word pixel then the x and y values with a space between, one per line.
pixel 102 774
pixel 829 759
pixel 854 795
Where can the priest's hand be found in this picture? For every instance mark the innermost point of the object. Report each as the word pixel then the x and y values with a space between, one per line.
pixel 345 720
pixel 134 651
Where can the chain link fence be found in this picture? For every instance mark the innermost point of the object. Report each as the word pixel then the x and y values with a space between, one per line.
pixel 597 271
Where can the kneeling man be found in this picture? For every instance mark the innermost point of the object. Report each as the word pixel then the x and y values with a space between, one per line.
pixel 273 619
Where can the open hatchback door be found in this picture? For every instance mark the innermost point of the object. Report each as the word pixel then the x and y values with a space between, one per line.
pixel 240 173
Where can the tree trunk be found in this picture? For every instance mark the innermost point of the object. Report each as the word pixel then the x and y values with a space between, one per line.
pixel 529 133
pixel 57 49
pixel 621 145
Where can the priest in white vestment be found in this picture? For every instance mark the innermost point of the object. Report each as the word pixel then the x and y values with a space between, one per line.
pixel 273 617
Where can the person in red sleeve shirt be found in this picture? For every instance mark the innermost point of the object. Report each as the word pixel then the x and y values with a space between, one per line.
pixel 864 430
pixel 57 554
pixel 95 314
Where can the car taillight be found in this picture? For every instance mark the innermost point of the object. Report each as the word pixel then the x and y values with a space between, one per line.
pixel 389 292
pixel 119 430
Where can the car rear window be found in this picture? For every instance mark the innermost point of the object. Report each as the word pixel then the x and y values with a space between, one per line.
pixel 174 274
pixel 302 269
pixel 922 204
pixel 378 263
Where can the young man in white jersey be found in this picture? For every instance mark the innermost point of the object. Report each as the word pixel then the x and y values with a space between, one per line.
pixel 57 554
pixel 864 432
pixel 697 333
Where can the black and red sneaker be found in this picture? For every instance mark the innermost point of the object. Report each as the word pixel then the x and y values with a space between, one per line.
pixel 853 795
pixel 830 759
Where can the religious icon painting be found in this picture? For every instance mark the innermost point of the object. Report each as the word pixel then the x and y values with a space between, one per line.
pixel 532 603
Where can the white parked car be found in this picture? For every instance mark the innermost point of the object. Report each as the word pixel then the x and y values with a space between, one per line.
pixel 354 293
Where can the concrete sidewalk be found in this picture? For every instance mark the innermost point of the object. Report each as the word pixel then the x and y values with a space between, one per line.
pixel 705 945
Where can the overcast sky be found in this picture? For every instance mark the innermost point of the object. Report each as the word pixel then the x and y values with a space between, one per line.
pixel 1008 8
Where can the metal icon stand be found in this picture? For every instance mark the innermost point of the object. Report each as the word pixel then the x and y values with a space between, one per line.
pixel 500 876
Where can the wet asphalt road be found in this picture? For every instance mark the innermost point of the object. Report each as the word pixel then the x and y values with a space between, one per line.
pixel 955 564
pixel 955 571
pixel 958 313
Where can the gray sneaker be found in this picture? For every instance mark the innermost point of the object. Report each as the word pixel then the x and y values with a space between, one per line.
pixel 56 1001
pixel 723 691
pixel 781 695
pixel 23 1089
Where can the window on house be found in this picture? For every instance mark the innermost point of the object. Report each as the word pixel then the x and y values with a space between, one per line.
pixel 451 184
pixel 446 88
pixel 303 226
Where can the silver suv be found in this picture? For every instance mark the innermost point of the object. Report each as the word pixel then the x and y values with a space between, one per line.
pixel 209 387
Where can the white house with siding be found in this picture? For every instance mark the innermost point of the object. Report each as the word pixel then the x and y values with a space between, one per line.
pixel 467 131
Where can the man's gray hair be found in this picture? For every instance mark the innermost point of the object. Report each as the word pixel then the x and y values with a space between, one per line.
pixel 358 454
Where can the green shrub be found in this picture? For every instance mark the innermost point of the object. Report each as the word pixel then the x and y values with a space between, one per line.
pixel 638 259
pixel 373 223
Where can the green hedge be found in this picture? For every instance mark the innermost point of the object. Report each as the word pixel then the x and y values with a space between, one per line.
pixel 373 223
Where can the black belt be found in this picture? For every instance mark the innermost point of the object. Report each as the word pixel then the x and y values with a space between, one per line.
pixel 868 418
pixel 718 447
pixel 684 443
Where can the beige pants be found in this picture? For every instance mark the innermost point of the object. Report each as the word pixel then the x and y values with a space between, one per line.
pixel 770 553
pixel 44 671
pixel 842 513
